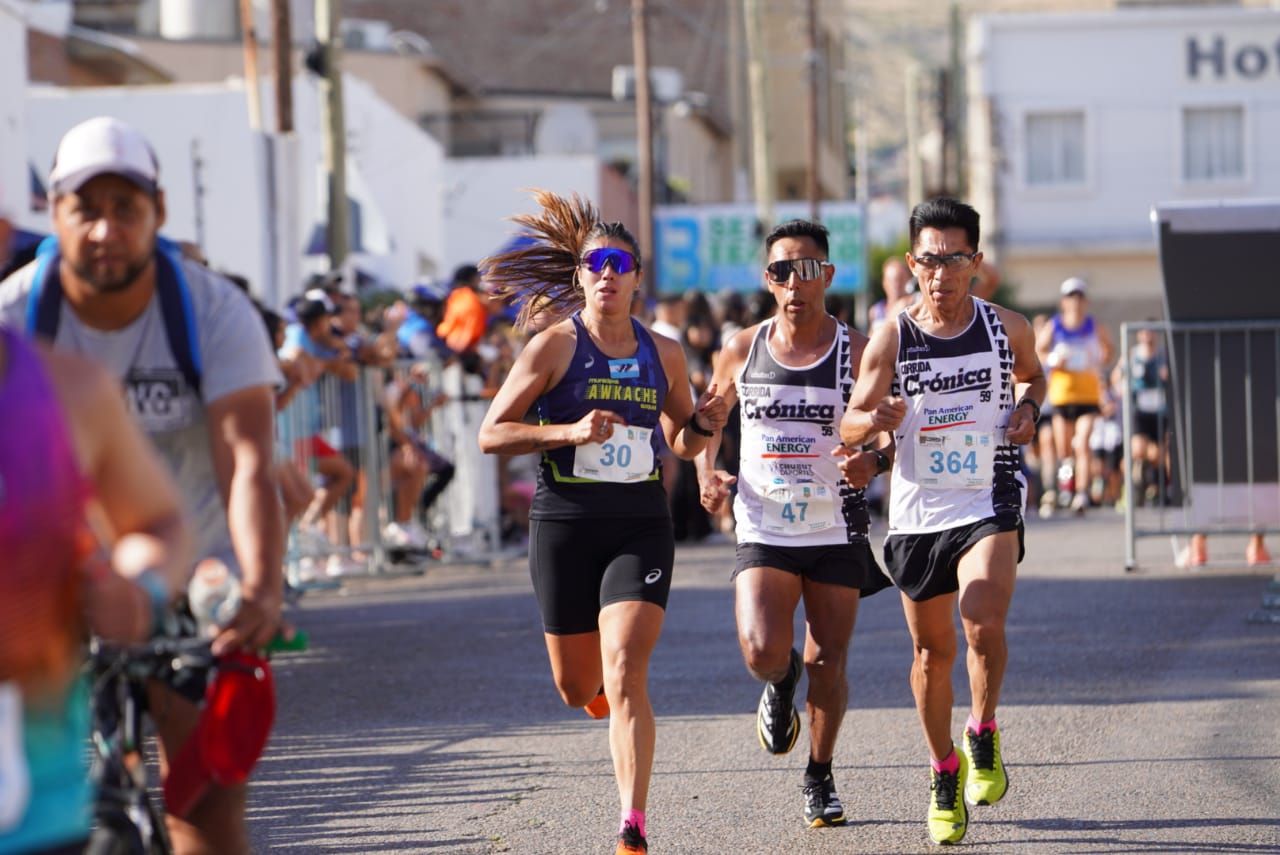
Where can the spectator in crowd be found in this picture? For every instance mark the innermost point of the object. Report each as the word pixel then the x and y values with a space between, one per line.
pixel 1076 349
pixel 203 390
pixel 417 335
pixel 315 335
pixel 466 315
pixel 895 279
pixel 61 577
pixel 1146 379
pixel 603 547
pixel 669 316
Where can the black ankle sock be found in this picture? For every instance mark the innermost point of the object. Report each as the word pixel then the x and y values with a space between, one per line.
pixel 816 771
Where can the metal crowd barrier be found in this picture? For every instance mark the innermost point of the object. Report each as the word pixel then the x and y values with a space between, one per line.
pixel 1221 427
pixel 350 420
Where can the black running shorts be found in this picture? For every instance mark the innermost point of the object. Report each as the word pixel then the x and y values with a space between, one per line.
pixel 850 565
pixel 580 566
pixel 924 566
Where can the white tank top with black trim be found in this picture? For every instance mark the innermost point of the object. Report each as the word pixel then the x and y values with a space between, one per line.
pixel 790 489
pixel 954 466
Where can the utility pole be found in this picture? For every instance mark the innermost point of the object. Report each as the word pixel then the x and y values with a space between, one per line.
pixel 812 189
pixel 282 53
pixel 644 140
pixel 250 38
pixel 328 33
pixel 758 81
pixel 915 174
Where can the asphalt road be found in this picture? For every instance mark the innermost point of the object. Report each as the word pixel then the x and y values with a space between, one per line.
pixel 1141 713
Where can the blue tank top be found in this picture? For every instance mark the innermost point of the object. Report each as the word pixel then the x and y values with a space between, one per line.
pixel 634 387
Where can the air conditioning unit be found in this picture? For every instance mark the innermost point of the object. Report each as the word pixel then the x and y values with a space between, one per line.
pixel 666 85
pixel 363 34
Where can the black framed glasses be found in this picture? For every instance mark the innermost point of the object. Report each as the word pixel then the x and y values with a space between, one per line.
pixel 954 261
pixel 805 268
pixel 619 259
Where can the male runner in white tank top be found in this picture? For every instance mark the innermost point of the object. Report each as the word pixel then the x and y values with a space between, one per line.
pixel 944 379
pixel 801 514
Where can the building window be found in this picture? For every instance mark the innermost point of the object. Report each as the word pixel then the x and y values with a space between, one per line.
pixel 1055 149
pixel 1213 143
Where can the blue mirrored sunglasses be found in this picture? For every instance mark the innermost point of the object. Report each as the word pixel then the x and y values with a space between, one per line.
pixel 619 259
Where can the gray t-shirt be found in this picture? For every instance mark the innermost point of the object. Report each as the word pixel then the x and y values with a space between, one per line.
pixel 234 354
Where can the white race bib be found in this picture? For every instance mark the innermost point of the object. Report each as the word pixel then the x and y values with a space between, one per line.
pixel 791 509
pixel 955 459
pixel 1149 400
pixel 623 458
pixel 15 777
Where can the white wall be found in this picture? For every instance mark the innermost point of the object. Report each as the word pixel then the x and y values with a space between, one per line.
pixel 1131 72
pixel 394 169
pixel 183 124
pixel 13 149
pixel 480 193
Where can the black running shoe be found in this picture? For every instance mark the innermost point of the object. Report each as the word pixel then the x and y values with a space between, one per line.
pixel 821 804
pixel 777 722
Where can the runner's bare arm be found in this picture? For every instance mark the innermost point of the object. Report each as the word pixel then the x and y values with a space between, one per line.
pixel 870 411
pixel 241 441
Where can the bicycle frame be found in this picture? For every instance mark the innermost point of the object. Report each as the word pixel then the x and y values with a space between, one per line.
pixel 128 821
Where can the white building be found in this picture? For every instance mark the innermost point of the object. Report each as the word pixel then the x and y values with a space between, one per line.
pixel 1079 123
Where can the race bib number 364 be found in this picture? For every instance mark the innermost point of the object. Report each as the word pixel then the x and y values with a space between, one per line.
pixel 955 459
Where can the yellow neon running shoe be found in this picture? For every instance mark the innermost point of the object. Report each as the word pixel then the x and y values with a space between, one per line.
pixel 948 817
pixel 988 780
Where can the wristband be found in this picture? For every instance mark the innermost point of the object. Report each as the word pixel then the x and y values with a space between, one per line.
pixel 697 428
pixel 883 463
pixel 1035 408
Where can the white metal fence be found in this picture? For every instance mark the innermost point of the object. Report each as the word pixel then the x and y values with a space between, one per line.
pixel 1220 422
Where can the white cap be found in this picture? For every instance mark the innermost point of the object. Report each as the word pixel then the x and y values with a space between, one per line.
pixel 1075 285
pixel 102 146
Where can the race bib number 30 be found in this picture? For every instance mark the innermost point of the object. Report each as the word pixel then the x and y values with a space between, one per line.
pixel 955 460
pixel 623 458
pixel 15 777
pixel 797 508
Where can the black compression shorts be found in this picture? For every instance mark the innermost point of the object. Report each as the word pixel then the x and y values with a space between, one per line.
pixel 580 566
pixel 850 565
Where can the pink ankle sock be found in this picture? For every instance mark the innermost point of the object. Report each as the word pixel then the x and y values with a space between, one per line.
pixel 950 763
pixel 632 817
pixel 978 727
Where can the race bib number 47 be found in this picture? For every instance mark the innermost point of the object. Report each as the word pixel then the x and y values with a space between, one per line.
pixel 792 509
pixel 955 459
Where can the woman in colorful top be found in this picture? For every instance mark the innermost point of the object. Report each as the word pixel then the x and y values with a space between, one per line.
pixel 1075 349
pixel 601 546
pixel 69 454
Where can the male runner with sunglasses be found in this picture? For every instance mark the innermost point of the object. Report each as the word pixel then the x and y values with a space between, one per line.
pixel 943 378
pixel 801 516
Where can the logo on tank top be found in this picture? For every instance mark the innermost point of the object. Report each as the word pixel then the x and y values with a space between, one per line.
pixel 787 411
pixel 159 399
pixel 624 369
pixel 919 377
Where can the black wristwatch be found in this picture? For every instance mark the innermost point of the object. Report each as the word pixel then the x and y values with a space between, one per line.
pixel 1035 408
pixel 697 428
pixel 883 463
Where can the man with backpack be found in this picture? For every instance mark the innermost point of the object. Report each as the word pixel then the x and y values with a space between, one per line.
pixel 199 374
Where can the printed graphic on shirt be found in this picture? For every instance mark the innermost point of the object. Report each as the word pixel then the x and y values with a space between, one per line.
pixel 160 399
